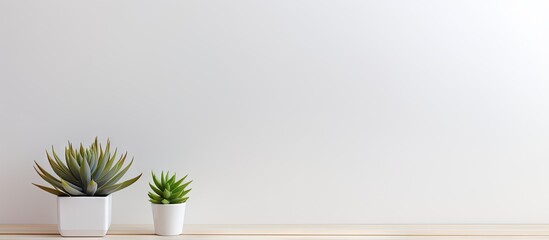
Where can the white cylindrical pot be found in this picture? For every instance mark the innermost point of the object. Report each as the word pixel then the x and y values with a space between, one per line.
pixel 168 218
pixel 84 216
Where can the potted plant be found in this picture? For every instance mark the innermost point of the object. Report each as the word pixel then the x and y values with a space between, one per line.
pixel 83 185
pixel 168 201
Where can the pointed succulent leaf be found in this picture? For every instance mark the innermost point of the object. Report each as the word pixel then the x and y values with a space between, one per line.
pixel 51 179
pixel 54 163
pixel 180 194
pixel 61 172
pixel 59 162
pixel 67 155
pixel 184 193
pixel 71 190
pixel 74 167
pixel 174 196
pixel 43 171
pixel 156 190
pixel 86 156
pixel 51 190
pixel 117 187
pixel 93 161
pixel 182 187
pixel 79 159
pixel 71 150
pixel 102 161
pixel 172 180
pixel 47 177
pixel 82 150
pixel 186 184
pixel 110 162
pixel 165 201
pixel 119 175
pixel 92 187
pixel 154 196
pixel 157 183
pixel 167 193
pixel 77 187
pixel 181 200
pixel 167 177
pixel 85 174
pixel 178 183
pixel 104 179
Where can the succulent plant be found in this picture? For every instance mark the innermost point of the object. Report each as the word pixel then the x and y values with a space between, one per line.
pixel 167 190
pixel 92 171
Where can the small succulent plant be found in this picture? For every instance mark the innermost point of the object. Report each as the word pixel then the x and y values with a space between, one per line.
pixel 167 190
pixel 92 171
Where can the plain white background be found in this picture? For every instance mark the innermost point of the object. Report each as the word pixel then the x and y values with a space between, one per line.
pixel 319 112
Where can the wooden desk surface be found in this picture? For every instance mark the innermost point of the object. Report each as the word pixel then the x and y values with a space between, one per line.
pixel 305 232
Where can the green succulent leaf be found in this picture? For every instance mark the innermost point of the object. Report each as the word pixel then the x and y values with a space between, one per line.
pixel 47 177
pixel 110 162
pixel 79 158
pixel 93 161
pixel 155 197
pixel 72 191
pixel 117 187
pixel 92 188
pixel 67 154
pixel 167 193
pixel 186 184
pixel 182 187
pixel 102 161
pixel 60 171
pixel 111 173
pixel 181 200
pixel 82 151
pixel 58 160
pixel 119 175
pixel 50 178
pixel 172 180
pixel 85 174
pixel 51 190
pixel 178 183
pixel 157 183
pixel 74 167
pixel 156 190
pixel 184 193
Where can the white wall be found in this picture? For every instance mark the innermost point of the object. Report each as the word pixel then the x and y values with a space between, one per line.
pixel 318 112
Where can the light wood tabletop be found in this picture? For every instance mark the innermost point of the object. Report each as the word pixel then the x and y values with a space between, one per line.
pixel 294 232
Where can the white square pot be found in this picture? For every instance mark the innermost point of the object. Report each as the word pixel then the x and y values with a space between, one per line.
pixel 168 218
pixel 84 216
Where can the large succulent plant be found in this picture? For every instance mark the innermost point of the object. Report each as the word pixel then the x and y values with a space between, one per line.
pixel 167 190
pixel 92 171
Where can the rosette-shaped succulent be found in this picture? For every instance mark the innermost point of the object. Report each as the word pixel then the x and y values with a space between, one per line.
pixel 92 171
pixel 169 189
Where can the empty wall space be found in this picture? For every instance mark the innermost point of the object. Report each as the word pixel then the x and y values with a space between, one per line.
pixel 286 112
